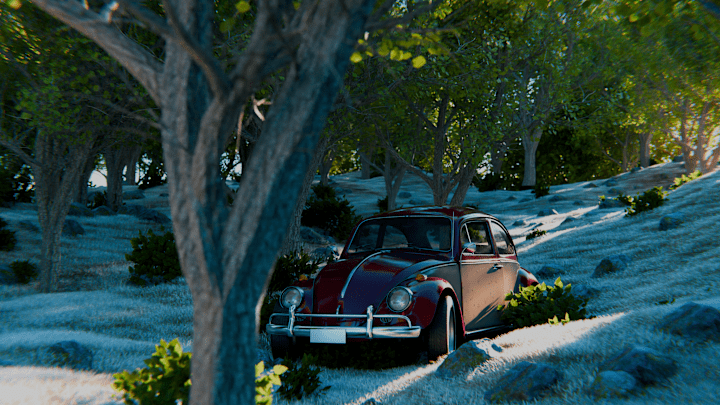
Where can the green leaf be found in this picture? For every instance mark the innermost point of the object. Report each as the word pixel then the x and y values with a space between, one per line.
pixel 242 6
pixel 418 62
pixel 227 25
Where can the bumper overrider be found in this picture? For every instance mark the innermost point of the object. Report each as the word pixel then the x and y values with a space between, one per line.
pixel 338 334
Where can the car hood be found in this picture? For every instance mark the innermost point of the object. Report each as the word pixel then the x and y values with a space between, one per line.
pixel 368 280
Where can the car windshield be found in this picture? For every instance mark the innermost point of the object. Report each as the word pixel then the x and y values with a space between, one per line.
pixel 430 233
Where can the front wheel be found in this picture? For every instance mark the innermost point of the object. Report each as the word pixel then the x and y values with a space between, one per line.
pixel 441 333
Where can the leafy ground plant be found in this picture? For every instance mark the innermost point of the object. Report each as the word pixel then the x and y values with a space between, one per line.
pixel 535 233
pixel 155 257
pixel 24 271
pixel 302 378
pixel 646 201
pixel 325 210
pixel 539 304
pixel 7 237
pixel 679 181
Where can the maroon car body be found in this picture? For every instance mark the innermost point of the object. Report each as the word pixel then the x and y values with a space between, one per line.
pixel 437 273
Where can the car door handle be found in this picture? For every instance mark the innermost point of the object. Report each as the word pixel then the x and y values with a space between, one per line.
pixel 497 266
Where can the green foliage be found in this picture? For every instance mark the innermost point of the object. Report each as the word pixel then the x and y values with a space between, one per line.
pixel 326 211
pixel 625 199
pixel 382 204
pixel 99 200
pixel 302 378
pixel 679 181
pixel 165 380
pixel 16 184
pixel 264 382
pixel 24 271
pixel 539 304
pixel 155 257
pixel 489 182
pixel 7 237
pixel 535 233
pixel 288 269
pixel 541 190
pixel 646 201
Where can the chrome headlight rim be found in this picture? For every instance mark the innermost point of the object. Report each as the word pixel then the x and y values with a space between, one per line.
pixel 399 290
pixel 287 300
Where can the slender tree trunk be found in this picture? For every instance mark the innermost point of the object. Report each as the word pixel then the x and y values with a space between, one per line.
pixel 115 163
pixel 325 166
pixel 497 155
pixel 82 190
pixel 393 174
pixel 131 164
pixel 645 139
pixel 531 141
pixel 466 176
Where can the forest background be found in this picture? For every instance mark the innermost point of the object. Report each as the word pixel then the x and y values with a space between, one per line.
pixel 461 93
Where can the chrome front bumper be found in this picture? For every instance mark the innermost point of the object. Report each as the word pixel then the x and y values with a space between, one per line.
pixel 366 332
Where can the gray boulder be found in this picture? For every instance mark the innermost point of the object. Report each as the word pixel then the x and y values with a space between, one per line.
pixel 672 221
pixel 464 359
pixel 519 222
pixel 612 264
pixel 647 366
pixel 145 214
pixel 556 198
pixel 584 292
pixel 524 382
pixel 72 227
pixel 590 185
pixel 615 191
pixel 568 220
pixel 578 202
pixel 71 354
pixel 550 271
pixel 678 159
pixel 611 183
pixel 136 194
pixel 546 212
pixel 103 211
pixel 610 203
pixel 371 401
pixel 404 194
pixel 614 384
pixel 511 198
pixel 325 253
pixel 79 210
pixel 693 321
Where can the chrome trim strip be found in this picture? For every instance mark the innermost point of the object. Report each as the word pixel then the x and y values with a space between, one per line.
pixel 350 276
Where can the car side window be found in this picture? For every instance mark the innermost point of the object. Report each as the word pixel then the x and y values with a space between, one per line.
pixel 476 232
pixel 502 239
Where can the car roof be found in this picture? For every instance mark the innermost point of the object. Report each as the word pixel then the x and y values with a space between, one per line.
pixel 444 211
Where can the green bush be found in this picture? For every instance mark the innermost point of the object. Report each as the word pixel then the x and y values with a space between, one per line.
pixel 646 201
pixel 302 378
pixel 166 379
pixel 326 211
pixel 382 204
pixel 98 200
pixel 679 181
pixel 155 257
pixel 489 182
pixel 539 304
pixel 541 190
pixel 535 233
pixel 7 237
pixel 23 271
pixel 288 269
pixel 16 184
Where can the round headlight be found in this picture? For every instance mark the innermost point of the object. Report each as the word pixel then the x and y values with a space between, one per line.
pixel 399 299
pixel 291 296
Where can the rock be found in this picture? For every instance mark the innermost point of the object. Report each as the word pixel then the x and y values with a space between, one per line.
pixel 103 211
pixel 524 382
pixel 312 236
pixel 28 225
pixel 79 210
pixel 71 354
pixel 694 321
pixel 611 183
pixel 7 277
pixel 635 169
pixel 519 222
pixel 370 401
pixel 590 185
pixel 678 159
pixel 550 271
pixel 568 220
pixel 547 211
pixel 404 194
pixel 583 291
pixel 578 202
pixel 646 365
pixel 672 221
pixel 615 191
pixel 664 176
pixel 610 203
pixel 556 198
pixel 611 264
pixel 511 198
pixel 72 227
pixel 325 253
pixel 465 358
pixel 136 194
pixel 146 214
pixel 614 384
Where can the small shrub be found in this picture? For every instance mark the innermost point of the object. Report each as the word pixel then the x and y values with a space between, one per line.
pixel 541 190
pixel 646 201
pixel 539 304
pixel 7 237
pixel 165 380
pixel 24 271
pixel 382 204
pixel 264 382
pixel 535 233
pixel 679 181
pixel 155 257
pixel 98 200
pixel 625 199
pixel 326 211
pixel 489 182
pixel 288 269
pixel 302 378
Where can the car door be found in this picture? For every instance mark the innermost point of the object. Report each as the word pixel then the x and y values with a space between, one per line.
pixel 482 282
pixel 507 257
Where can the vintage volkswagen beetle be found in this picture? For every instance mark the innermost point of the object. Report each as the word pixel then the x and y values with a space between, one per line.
pixel 435 273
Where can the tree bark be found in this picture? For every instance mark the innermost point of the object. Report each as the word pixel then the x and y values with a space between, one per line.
pixel 82 190
pixel 115 163
pixel 645 139
pixel 531 140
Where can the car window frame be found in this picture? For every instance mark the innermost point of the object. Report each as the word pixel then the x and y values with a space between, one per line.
pixel 437 251
pixel 508 237
pixel 477 256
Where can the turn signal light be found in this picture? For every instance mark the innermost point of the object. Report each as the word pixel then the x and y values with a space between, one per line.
pixel 421 277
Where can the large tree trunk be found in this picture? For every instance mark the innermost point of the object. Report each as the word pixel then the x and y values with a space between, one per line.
pixel 531 141
pixel 82 190
pixel 645 138
pixel 466 176
pixel 131 164
pixel 115 163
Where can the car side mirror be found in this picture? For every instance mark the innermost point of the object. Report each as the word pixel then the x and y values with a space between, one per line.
pixel 469 247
